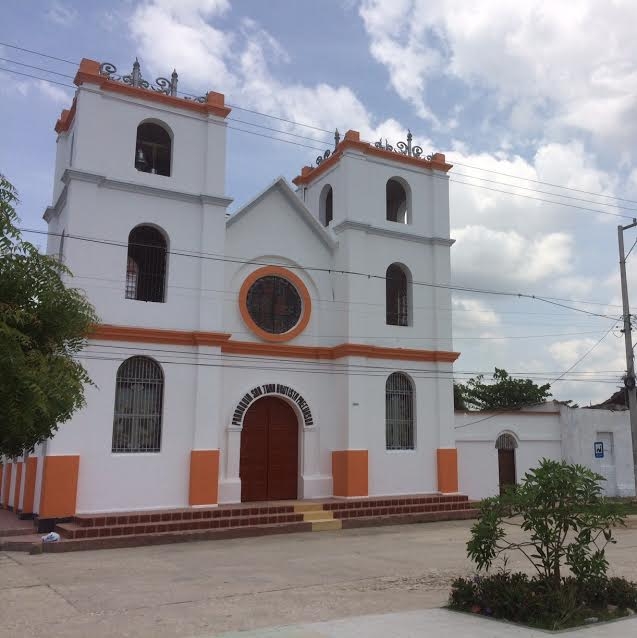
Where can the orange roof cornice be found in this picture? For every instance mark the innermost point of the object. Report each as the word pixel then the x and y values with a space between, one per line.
pixel 352 141
pixel 89 73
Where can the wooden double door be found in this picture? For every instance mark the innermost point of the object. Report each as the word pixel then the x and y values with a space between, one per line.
pixel 269 460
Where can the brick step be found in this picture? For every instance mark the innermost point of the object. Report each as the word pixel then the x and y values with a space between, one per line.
pixel 74 531
pixel 399 510
pixel 405 519
pixel 161 538
pixel 162 516
pixel 395 501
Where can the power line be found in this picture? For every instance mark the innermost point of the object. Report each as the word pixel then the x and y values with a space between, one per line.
pixel 309 126
pixel 337 271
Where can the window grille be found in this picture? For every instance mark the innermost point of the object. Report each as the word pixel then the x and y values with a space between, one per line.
pixel 506 442
pixel 397 300
pixel 146 265
pixel 399 412
pixel 139 390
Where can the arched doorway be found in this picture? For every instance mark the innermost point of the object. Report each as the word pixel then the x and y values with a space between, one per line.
pixel 506 444
pixel 269 459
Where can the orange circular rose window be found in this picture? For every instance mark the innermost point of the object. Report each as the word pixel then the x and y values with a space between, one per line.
pixel 274 303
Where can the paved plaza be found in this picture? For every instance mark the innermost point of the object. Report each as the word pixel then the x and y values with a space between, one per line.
pixel 289 581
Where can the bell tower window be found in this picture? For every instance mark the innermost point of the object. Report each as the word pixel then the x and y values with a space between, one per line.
pixel 153 149
pixel 397 202
pixel 397 283
pixel 326 205
pixel 146 265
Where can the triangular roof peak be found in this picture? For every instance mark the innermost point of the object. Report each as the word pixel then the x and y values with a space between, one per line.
pixel 281 185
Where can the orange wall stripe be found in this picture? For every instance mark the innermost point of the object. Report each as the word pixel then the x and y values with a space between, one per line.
pixel 447 470
pixel 284 273
pixel 350 472
pixel 89 71
pixel 30 473
pixel 105 332
pixel 59 486
pixel 204 477
pixel 17 485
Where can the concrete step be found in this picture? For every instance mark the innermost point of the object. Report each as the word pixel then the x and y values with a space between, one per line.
pixel 405 519
pixel 326 525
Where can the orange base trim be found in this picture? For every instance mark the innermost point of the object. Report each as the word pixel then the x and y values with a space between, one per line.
pixel 105 332
pixel 447 470
pixel 350 472
pixel 59 486
pixel 6 485
pixel 17 485
pixel 30 473
pixel 204 477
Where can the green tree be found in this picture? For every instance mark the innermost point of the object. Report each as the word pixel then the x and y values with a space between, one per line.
pixel 505 392
pixel 564 518
pixel 43 325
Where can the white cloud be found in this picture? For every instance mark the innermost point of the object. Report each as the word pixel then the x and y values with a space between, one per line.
pixel 62 14
pixel 550 66
pixel 54 93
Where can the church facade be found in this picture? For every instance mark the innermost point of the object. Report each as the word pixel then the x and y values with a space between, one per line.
pixel 299 348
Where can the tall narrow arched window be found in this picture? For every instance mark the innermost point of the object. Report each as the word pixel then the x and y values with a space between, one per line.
pixel 153 149
pixel 397 202
pixel 326 205
pixel 139 393
pixel 397 296
pixel 146 264
pixel 399 412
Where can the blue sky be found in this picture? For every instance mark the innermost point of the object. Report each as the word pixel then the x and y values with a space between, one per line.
pixel 541 90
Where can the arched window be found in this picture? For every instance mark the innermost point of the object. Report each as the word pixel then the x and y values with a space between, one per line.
pixel 139 391
pixel 507 475
pixel 326 205
pixel 146 264
pixel 399 412
pixel 153 149
pixel 506 441
pixel 397 204
pixel 397 296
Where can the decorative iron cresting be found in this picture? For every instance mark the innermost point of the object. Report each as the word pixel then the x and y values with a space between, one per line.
pixel 134 78
pixel 402 148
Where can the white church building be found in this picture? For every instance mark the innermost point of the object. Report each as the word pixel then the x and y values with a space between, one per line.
pixel 287 351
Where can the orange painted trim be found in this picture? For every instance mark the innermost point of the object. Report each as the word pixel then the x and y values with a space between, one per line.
pixel 350 472
pixel 19 468
pixel 352 141
pixel 447 459
pixel 66 118
pixel 59 486
pixel 6 484
pixel 89 72
pixel 296 281
pixel 204 477
pixel 30 473
pixel 106 332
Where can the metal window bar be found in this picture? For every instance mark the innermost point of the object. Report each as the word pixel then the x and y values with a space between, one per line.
pixel 506 442
pixel 399 412
pixel 137 418
pixel 146 265
pixel 397 304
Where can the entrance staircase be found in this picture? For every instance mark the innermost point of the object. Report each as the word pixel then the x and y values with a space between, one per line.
pixel 129 529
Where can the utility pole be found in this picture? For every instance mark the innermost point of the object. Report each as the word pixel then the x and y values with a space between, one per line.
pixel 629 379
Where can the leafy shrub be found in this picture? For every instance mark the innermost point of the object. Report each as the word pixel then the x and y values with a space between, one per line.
pixel 622 593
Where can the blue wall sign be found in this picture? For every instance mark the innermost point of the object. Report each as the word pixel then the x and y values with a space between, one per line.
pixel 599 449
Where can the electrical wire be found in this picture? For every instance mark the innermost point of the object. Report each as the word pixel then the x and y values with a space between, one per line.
pixel 215 257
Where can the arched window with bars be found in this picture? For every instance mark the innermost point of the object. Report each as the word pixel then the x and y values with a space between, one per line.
pixel 146 264
pixel 139 395
pixel 397 296
pixel 399 412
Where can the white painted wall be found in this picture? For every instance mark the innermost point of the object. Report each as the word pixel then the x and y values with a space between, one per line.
pixel 538 434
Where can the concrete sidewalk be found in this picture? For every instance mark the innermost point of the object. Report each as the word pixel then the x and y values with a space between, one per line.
pixel 434 623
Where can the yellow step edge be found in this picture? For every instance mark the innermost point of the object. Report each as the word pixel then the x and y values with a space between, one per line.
pixel 308 507
pixel 318 516
pixel 323 526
